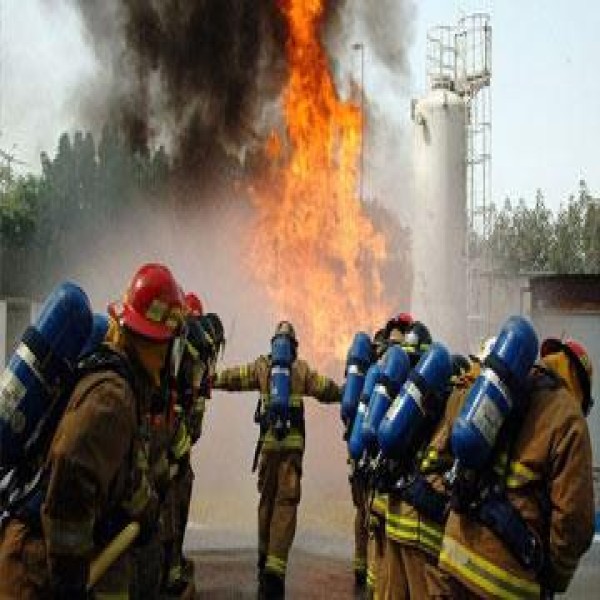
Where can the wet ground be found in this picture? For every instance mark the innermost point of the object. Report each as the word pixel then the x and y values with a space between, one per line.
pixel 226 574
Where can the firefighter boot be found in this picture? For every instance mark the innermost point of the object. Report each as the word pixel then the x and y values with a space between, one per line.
pixel 360 578
pixel 262 561
pixel 272 587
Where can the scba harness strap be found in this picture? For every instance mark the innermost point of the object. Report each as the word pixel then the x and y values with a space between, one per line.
pixel 497 513
pixel 430 503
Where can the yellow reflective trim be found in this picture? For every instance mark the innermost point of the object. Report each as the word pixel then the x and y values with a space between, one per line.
pixel 513 482
pixel 431 537
pixel 520 475
pixel 292 441
pixel 175 572
pixel 371 578
pixel 484 574
pixel 275 564
pixel 321 383
pixel 156 311
pixel 296 400
pixel 244 376
pixel 199 404
pixel 182 443
pixel 401 528
pixel 191 350
pixel 406 529
pixel 380 504
pixel 520 469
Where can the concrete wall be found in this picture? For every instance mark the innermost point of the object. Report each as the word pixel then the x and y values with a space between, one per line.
pixel 496 296
pixel 16 314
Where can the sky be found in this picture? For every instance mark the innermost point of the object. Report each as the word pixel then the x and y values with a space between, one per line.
pixel 545 88
pixel 545 91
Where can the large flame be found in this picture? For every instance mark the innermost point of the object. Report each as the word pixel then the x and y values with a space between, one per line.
pixel 312 246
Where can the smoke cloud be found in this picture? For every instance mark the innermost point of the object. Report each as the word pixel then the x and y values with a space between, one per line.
pixel 204 76
pixel 384 29
pixel 187 72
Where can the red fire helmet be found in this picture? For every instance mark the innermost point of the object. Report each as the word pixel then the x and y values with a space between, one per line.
pixel 573 348
pixel 402 321
pixel 153 305
pixel 193 305
pixel 579 355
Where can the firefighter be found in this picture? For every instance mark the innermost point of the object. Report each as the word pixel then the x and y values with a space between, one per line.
pixel 357 479
pixel 203 343
pixel 394 332
pixel 96 472
pixel 280 447
pixel 538 502
pixel 415 521
pixel 415 525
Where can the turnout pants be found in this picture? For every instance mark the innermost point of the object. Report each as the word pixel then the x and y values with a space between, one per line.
pixel 444 587
pixel 361 531
pixel 376 573
pixel 406 572
pixel 279 477
pixel 174 517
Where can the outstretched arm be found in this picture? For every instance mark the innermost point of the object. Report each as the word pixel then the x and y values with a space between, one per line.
pixel 322 388
pixel 239 379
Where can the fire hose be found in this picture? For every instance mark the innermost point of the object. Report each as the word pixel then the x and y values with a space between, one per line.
pixel 111 553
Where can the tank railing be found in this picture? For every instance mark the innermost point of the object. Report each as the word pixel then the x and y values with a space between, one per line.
pixel 441 57
pixel 473 41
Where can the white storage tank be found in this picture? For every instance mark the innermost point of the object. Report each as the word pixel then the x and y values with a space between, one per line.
pixel 439 295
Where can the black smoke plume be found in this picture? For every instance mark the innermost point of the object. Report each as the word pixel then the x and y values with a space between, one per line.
pixel 194 72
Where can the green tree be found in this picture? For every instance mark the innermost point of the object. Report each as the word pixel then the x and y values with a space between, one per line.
pixel 567 254
pixel 83 188
pixel 591 229
pixel 533 239
pixel 18 211
pixel 522 236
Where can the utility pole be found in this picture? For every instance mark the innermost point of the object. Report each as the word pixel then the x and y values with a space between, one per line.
pixel 360 47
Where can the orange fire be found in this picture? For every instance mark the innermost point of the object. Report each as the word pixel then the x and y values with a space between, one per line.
pixel 312 246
